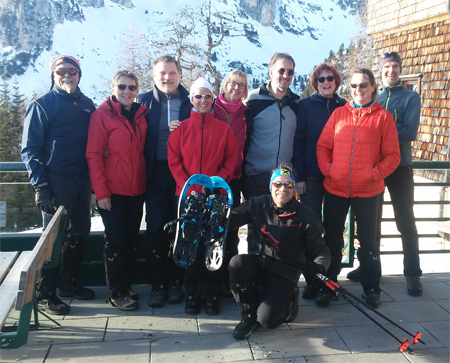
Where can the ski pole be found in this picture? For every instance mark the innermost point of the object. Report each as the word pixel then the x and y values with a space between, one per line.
pixel 333 285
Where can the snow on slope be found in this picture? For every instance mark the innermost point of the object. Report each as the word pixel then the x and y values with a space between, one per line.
pixel 96 42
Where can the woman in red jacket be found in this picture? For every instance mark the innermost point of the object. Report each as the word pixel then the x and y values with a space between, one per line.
pixel 201 145
pixel 357 149
pixel 229 108
pixel 115 154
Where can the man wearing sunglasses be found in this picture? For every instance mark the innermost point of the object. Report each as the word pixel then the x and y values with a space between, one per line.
pixel 53 150
pixel 169 104
pixel 404 105
pixel 271 127
pixel 264 283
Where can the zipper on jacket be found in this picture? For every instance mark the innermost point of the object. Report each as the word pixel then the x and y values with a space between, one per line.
pixel 168 109
pixel 51 153
pixel 351 159
pixel 201 144
pixel 395 115
pixel 279 136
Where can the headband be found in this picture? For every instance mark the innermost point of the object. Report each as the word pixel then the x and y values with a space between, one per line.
pixel 281 172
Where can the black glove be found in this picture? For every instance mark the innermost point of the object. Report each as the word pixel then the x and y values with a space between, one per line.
pixel 312 269
pixel 44 200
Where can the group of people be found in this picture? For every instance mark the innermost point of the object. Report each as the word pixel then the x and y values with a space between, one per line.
pixel 291 159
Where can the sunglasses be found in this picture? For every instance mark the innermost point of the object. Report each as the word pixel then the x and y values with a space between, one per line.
pixel 236 84
pixel 199 97
pixel 290 72
pixel 322 79
pixel 279 184
pixel 123 87
pixel 63 71
pixel 389 55
pixel 360 85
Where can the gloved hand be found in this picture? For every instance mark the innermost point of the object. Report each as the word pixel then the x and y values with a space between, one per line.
pixel 312 269
pixel 44 200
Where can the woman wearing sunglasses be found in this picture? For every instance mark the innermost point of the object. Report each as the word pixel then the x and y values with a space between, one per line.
pixel 201 144
pixel 357 150
pixel 115 154
pixel 265 283
pixel 229 108
pixel 313 113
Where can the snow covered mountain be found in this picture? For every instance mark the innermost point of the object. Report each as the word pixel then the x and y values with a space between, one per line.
pixel 107 35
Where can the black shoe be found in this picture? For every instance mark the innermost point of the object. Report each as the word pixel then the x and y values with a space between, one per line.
pixel 414 286
pixel 192 306
pixel 355 275
pixel 54 306
pixel 310 291
pixel 323 297
pixel 372 299
pixel 75 291
pixel 157 297
pixel 212 306
pixel 246 327
pixel 133 295
pixel 293 307
pixel 122 300
pixel 174 294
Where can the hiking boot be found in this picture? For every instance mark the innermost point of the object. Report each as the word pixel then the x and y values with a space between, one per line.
pixel 192 306
pixel 122 301
pixel 246 327
pixel 54 306
pixel 75 291
pixel 324 297
pixel 212 306
pixel 174 294
pixel 310 291
pixel 355 275
pixel 413 285
pixel 372 299
pixel 157 297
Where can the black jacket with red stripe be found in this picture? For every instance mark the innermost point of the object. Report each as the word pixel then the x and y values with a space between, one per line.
pixel 281 239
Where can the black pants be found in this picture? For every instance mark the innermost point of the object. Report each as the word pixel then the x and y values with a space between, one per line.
pixel 160 207
pixel 401 189
pixel 366 211
pixel 122 224
pixel 270 295
pixel 75 195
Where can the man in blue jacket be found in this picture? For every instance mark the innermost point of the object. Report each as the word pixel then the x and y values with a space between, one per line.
pixel 169 104
pixel 53 149
pixel 404 105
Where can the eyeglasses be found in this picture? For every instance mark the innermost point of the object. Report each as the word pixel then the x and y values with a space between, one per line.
pixel 63 71
pixel 123 87
pixel 279 184
pixel 328 78
pixel 360 85
pixel 290 72
pixel 236 84
pixel 389 55
pixel 199 97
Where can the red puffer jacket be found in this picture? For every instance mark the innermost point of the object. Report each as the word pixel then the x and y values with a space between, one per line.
pixel 122 171
pixel 201 145
pixel 357 150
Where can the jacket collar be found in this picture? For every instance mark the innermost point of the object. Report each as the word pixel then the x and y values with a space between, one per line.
pixel 395 86
pixel 291 208
pixel 184 94
pixel 317 97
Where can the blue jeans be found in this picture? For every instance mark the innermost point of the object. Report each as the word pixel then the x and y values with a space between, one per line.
pixel 313 198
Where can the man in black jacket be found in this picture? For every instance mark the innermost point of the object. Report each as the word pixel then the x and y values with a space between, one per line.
pixel 53 149
pixel 169 104
pixel 265 283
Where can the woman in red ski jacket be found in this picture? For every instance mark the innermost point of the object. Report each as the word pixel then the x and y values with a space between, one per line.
pixel 357 149
pixel 115 155
pixel 201 145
